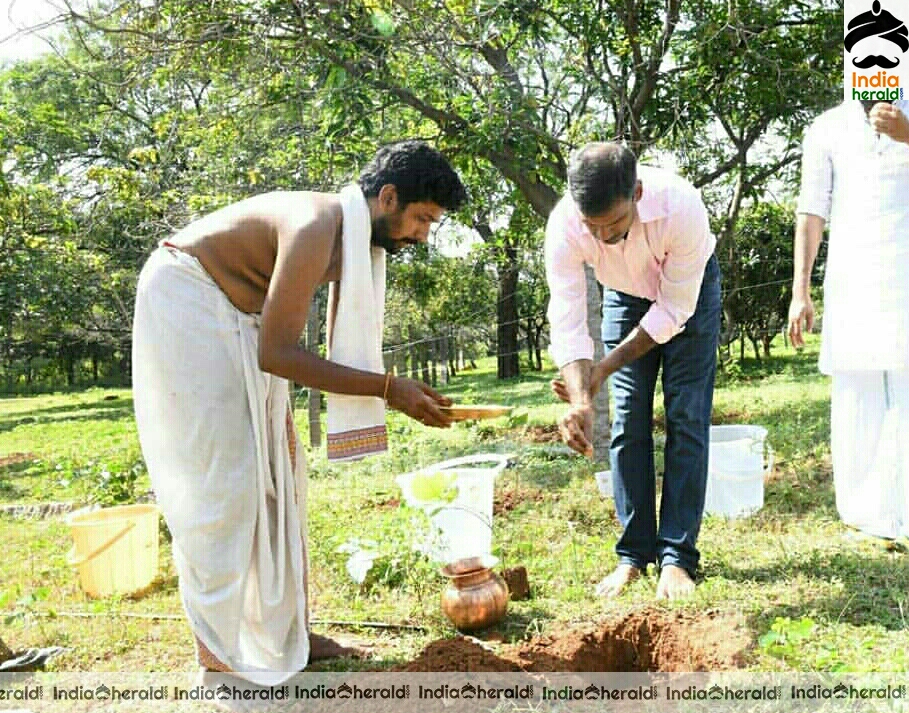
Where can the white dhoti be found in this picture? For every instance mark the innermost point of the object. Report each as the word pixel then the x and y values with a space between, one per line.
pixel 869 423
pixel 212 427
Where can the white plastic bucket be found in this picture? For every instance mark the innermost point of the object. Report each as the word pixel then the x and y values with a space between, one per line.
pixel 739 460
pixel 604 482
pixel 463 524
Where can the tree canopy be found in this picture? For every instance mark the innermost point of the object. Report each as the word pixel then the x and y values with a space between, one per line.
pixel 153 112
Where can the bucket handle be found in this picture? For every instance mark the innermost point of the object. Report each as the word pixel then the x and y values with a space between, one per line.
pixel 478 516
pixel 76 561
pixel 500 459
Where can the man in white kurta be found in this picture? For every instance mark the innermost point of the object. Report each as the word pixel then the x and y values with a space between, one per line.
pixel 855 178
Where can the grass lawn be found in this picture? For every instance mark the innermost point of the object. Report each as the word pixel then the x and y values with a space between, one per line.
pixel 811 593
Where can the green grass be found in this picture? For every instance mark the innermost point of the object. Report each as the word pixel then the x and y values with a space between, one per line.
pixel 822 598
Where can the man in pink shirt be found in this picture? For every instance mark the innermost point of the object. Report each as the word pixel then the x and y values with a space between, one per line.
pixel 646 234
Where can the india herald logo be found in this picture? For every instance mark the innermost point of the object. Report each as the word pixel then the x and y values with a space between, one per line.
pixel 876 23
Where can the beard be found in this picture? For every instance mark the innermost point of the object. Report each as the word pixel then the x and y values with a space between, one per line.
pixel 381 235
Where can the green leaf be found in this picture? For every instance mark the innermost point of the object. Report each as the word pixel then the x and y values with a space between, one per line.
pixel 383 23
pixel 434 487
pixel 518 418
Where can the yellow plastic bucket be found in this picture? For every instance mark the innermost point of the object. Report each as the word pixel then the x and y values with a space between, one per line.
pixel 115 549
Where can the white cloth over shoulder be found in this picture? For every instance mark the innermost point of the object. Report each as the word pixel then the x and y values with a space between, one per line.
pixel 356 424
pixel 214 435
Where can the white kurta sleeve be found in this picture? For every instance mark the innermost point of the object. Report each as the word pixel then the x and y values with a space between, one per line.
pixel 816 194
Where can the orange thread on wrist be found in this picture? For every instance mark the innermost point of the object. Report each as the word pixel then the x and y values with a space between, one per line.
pixel 387 384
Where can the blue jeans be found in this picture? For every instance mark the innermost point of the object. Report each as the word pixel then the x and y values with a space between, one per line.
pixel 689 368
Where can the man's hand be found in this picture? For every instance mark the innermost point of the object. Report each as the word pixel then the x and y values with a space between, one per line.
pixel 418 401
pixel 801 312
pixel 887 119
pixel 560 389
pixel 576 429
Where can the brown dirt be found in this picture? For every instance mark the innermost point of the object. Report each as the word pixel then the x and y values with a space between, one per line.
pixel 644 641
pixel 508 498
pixel 518 586
pixel 15 459
pixel 548 433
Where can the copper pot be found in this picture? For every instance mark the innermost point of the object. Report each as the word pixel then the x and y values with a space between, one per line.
pixel 476 597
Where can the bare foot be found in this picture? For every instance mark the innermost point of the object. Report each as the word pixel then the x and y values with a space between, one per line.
pixel 675 583
pixel 321 647
pixel 613 585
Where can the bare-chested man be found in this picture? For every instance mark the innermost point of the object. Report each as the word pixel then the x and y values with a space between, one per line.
pixel 220 308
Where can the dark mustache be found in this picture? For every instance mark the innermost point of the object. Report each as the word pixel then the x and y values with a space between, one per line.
pixel 876 59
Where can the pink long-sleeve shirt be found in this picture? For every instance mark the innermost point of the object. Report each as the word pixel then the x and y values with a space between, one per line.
pixel 662 260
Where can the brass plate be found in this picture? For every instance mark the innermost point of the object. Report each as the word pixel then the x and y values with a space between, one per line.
pixel 474 411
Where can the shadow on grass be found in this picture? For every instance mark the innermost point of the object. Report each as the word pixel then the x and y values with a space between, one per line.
pixel 802 364
pixel 161 584
pixel 801 497
pixel 546 468
pixel 874 592
pixel 8 491
pixel 16 465
pixel 123 409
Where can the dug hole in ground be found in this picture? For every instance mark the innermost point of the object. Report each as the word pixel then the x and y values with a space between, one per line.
pixel 650 639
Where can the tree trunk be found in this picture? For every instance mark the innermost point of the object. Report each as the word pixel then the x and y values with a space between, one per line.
pixel 443 357
pixel 424 363
pixel 766 339
pixel 537 348
pixel 70 361
pixel 509 362
pixel 601 425
pixel 452 348
pixel 528 330
pixel 414 364
pixel 126 365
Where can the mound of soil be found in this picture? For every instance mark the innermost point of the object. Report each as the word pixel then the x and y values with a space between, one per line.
pixel 548 433
pixel 518 584
pixel 649 640
pixel 508 498
pixel 15 459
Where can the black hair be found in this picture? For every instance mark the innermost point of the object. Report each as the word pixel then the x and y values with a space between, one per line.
pixel 417 171
pixel 600 174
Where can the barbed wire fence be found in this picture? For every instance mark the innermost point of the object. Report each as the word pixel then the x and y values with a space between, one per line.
pixel 456 347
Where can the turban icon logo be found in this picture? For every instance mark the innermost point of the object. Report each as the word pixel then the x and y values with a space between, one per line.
pixel 881 24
